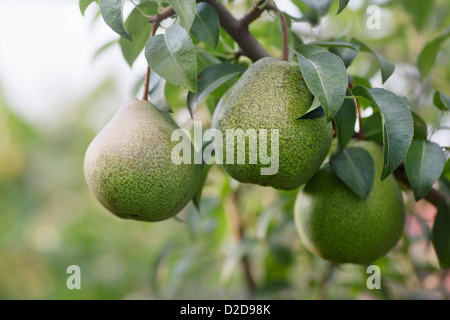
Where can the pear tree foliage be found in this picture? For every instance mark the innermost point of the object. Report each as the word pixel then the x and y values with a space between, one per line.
pixel 199 55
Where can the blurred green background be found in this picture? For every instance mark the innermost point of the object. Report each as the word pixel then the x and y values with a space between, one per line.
pixel 56 94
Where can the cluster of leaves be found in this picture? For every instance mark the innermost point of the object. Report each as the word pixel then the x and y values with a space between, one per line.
pixel 196 54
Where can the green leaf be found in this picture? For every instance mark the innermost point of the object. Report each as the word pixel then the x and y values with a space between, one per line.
pixel 172 55
pixel 336 44
pixel 111 11
pixel 396 138
pixel 347 51
pixel 326 77
pixel 84 4
pixel 345 124
pixel 158 262
pixel 157 92
pixel 304 8
pixel 347 55
pixel 420 127
pixel 308 50
pixel 198 195
pixel 294 42
pixel 441 234
pixel 185 10
pixel 446 171
pixel 204 59
pixel 387 68
pixel 373 128
pixel 312 10
pixel 441 100
pixel 342 5
pixel 139 29
pixel 355 167
pixel 428 55
pixel 206 25
pixel 361 81
pixel 444 180
pixel 209 80
pixel 104 47
pixel 419 11
pixel 445 184
pixel 220 91
pixel 311 113
pixel 424 163
pixel 268 214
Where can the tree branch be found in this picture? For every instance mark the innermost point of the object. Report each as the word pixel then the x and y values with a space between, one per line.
pixel 255 12
pixel 238 231
pixel 166 13
pixel 238 31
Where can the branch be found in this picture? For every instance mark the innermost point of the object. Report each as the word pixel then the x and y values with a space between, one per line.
pixel 166 13
pixel 255 12
pixel 435 196
pixel 238 230
pixel 238 31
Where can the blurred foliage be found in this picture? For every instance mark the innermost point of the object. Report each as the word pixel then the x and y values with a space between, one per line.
pixel 49 220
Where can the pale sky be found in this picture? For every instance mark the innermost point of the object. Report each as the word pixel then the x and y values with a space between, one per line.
pixel 46 56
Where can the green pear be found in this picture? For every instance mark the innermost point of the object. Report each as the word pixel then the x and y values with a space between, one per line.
pixel 129 169
pixel 272 94
pixel 338 225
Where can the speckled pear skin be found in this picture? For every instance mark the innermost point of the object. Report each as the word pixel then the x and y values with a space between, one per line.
pixel 338 225
pixel 128 165
pixel 272 94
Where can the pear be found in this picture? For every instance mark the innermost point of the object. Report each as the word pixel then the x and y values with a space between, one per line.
pixel 272 94
pixel 128 165
pixel 338 225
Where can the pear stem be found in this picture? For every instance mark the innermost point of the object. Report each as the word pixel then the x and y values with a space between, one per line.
pixel 358 113
pixel 255 12
pixel 285 35
pixel 146 84
pixel 155 26
pixel 284 28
